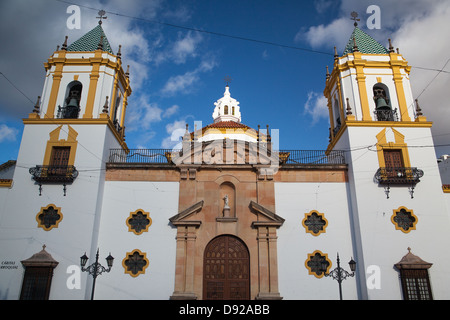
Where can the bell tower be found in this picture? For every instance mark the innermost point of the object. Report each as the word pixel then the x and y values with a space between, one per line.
pixel 369 85
pixel 388 146
pixel 83 103
pixel 85 80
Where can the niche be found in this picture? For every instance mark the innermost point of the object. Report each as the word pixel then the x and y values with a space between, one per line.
pixel 227 200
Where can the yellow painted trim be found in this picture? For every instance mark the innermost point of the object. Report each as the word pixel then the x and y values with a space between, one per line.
pixel 40 225
pixel 398 81
pixel 249 131
pixel 130 229
pixel 399 144
pixel 124 108
pixel 143 268
pixel 94 76
pixel 404 124
pixel 311 255
pixel 341 102
pixel 330 114
pixel 6 183
pixel 395 211
pixel 54 141
pixel 361 80
pixel 113 96
pixel 320 215
pixel 446 188
pixel 50 113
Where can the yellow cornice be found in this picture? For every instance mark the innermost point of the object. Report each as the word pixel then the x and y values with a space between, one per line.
pixel 393 124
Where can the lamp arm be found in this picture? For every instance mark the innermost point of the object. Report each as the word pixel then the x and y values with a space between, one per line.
pixel 95 269
pixel 339 274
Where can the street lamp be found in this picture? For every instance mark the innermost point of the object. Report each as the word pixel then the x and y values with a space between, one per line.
pixel 96 268
pixel 338 273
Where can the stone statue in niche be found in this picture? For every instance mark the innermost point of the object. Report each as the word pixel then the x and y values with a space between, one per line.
pixel 226 207
pixel 226 201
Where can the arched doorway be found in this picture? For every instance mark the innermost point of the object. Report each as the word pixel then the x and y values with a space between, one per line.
pixel 226 269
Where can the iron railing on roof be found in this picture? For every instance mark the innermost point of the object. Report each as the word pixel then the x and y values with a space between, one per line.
pixel 162 156
pixel 313 157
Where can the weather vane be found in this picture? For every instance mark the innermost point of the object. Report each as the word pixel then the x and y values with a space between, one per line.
pixel 354 17
pixel 227 80
pixel 101 14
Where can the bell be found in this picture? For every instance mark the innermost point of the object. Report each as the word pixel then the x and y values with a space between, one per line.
pixel 72 109
pixel 382 105
pixel 73 103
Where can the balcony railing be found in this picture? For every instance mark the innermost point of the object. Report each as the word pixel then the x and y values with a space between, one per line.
pixel 386 115
pixel 68 112
pixel 398 175
pixel 52 173
pixel 164 156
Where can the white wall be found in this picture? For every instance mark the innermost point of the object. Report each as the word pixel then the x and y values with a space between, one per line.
pixel 292 201
pixel 20 236
pixel 121 198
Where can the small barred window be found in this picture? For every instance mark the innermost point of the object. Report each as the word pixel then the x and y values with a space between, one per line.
pixel 135 263
pixel 49 217
pixel 138 222
pixel 314 223
pixel 404 219
pixel 416 284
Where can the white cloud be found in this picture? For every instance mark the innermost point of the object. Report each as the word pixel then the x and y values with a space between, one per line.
pixel 7 133
pixel 316 106
pixel 336 34
pixel 322 5
pixel 186 83
pixel 180 83
pixel 175 130
pixel 170 111
pixel 423 43
pixel 186 47
pixel 143 114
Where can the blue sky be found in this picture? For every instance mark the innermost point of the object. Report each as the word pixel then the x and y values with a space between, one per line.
pixel 177 73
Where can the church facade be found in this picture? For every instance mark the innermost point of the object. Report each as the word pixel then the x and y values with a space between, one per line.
pixel 224 215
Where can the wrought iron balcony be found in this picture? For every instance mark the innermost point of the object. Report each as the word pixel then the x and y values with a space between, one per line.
pixel 386 115
pixel 52 173
pixel 398 175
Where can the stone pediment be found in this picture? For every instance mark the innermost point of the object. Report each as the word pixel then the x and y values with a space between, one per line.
pixel 182 217
pixel 225 152
pixel 269 218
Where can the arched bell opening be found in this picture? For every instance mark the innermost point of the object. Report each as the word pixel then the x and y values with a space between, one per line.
pixel 383 108
pixel 71 107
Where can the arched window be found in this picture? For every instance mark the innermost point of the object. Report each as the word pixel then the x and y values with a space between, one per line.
pixel 71 108
pixel 337 117
pixel 226 110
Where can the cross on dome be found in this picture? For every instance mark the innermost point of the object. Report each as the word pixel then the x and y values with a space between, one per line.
pixel 227 108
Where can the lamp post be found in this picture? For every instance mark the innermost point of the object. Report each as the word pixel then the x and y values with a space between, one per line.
pixel 340 274
pixel 96 268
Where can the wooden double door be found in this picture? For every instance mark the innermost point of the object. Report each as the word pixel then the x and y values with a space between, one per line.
pixel 226 269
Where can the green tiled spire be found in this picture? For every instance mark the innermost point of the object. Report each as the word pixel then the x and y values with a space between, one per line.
pixel 365 43
pixel 90 41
